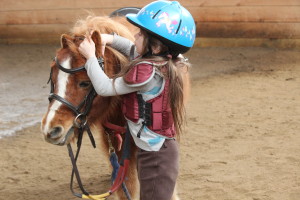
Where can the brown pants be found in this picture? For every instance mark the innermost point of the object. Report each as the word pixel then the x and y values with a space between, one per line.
pixel 158 171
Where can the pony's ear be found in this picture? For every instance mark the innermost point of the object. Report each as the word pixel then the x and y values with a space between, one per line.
pixel 64 40
pixel 97 40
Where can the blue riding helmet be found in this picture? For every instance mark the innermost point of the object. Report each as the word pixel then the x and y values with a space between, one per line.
pixel 168 21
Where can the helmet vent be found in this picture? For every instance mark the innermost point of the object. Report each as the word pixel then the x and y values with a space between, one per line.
pixel 155 14
pixel 178 26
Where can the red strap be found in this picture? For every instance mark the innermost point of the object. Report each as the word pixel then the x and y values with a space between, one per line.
pixel 120 141
pixel 120 177
pixel 117 130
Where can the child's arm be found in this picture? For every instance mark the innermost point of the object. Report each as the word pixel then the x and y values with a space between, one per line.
pixel 103 85
pixel 119 43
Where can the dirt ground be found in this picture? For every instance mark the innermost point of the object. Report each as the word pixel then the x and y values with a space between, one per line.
pixel 242 139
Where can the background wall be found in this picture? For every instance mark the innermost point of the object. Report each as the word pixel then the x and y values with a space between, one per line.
pixel 36 21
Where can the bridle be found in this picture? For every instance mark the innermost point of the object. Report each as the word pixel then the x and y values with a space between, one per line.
pixel 81 111
pixel 86 102
pixel 80 123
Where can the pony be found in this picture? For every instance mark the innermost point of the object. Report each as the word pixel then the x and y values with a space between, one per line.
pixel 71 88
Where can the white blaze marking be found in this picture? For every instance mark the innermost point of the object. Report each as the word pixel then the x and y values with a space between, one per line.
pixel 62 81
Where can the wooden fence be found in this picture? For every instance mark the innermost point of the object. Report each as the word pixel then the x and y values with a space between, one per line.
pixel 36 21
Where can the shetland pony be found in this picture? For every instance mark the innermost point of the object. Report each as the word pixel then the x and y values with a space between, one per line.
pixel 57 123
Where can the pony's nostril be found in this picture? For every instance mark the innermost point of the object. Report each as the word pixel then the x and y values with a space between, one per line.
pixel 55 133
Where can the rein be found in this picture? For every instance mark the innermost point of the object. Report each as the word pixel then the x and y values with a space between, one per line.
pixel 81 124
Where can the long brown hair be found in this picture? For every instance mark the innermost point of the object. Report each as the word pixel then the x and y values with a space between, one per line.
pixel 176 74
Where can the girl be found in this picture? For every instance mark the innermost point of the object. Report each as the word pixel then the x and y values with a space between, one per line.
pixel 152 89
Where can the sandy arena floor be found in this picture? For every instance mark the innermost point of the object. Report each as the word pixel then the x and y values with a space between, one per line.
pixel 242 139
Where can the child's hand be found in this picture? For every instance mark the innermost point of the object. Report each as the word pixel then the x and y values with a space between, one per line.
pixel 87 48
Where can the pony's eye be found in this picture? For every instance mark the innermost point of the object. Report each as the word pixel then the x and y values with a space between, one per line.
pixel 85 84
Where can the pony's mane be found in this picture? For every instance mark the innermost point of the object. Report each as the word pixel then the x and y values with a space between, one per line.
pixel 103 24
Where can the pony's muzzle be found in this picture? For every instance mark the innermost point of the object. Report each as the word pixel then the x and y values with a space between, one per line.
pixel 55 133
